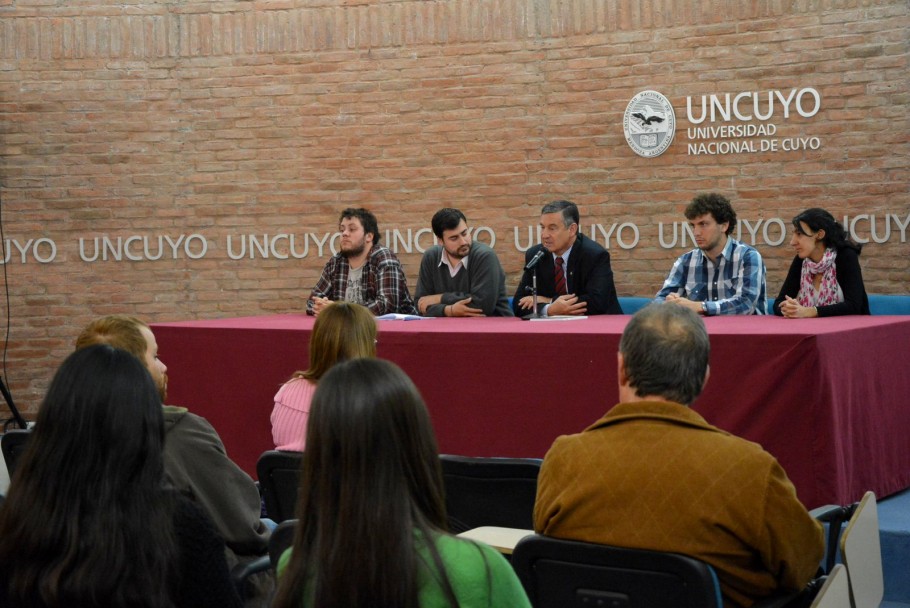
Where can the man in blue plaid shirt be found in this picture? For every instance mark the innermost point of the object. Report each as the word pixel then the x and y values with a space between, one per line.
pixel 723 276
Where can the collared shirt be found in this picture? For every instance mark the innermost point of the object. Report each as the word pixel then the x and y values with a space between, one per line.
pixel 735 285
pixel 453 270
pixel 385 288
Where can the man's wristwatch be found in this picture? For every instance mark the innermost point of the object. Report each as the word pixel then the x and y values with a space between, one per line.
pixel 704 308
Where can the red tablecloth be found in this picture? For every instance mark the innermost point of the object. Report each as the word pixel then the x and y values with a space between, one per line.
pixel 830 398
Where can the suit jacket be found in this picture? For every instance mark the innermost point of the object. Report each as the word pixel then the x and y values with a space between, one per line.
pixel 588 275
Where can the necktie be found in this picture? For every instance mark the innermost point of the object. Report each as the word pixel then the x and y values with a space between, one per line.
pixel 560 277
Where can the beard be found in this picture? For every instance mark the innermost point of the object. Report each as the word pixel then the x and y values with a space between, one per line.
pixel 353 250
pixel 460 253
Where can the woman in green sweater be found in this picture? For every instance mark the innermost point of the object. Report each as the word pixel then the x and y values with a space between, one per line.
pixel 371 511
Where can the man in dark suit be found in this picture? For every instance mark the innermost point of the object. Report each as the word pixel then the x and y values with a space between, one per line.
pixel 573 276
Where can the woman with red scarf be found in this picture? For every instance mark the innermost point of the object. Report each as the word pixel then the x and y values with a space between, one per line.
pixel 825 279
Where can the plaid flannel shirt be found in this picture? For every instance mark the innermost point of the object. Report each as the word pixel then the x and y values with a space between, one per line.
pixel 385 288
pixel 733 286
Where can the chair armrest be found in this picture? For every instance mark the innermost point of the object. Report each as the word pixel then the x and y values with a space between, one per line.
pixel 828 513
pixel 834 516
pixel 242 571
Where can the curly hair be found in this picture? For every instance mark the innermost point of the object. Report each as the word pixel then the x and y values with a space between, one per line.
pixel 717 205
pixel 367 220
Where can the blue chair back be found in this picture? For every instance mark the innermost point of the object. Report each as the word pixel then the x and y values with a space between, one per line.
pixel 880 304
pixel 632 304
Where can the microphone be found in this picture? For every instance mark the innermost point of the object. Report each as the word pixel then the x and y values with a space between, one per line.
pixel 535 259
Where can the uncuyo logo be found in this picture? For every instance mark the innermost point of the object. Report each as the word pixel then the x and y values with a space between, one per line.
pixel 649 123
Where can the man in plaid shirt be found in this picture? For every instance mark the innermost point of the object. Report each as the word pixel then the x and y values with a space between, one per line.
pixel 722 276
pixel 363 271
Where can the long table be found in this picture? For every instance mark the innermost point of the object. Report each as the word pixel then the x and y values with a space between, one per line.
pixel 830 398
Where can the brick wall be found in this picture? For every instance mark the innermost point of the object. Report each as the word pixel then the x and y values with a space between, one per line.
pixel 169 128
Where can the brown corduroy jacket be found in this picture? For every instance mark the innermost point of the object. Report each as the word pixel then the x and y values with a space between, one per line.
pixel 655 475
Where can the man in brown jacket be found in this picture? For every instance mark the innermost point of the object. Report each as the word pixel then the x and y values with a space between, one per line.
pixel 653 474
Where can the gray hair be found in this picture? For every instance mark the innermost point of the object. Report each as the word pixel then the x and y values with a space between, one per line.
pixel 568 209
pixel 665 351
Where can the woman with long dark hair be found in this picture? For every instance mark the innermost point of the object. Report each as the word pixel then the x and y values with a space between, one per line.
pixel 825 279
pixel 87 520
pixel 342 331
pixel 371 509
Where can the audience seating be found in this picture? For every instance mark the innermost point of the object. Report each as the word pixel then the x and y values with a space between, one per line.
pixel 489 491
pixel 835 592
pixel 13 444
pixel 557 573
pixel 282 538
pixel 241 573
pixel 833 516
pixel 279 476
pixel 860 547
